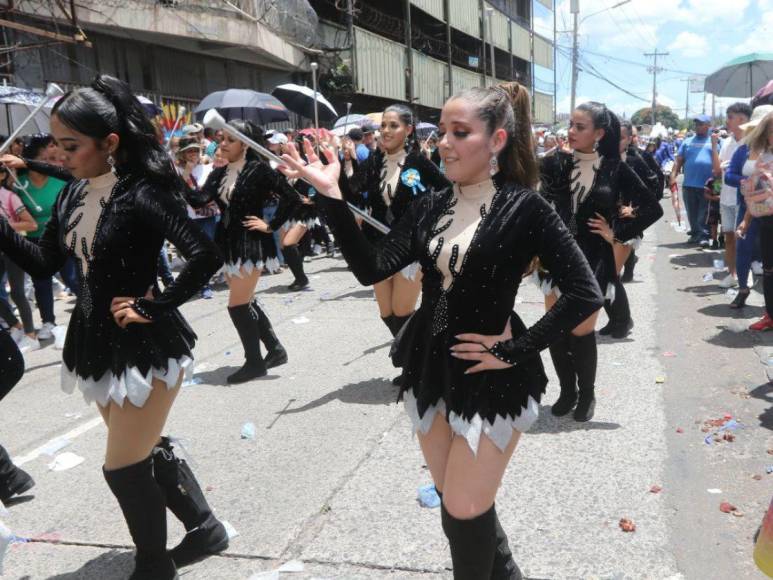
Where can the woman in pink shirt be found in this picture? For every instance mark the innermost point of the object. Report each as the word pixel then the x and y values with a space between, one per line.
pixel 12 209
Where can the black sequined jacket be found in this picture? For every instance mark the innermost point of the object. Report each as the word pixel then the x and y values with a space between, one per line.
pixel 363 188
pixel 256 185
pixel 123 262
pixel 519 226
pixel 615 184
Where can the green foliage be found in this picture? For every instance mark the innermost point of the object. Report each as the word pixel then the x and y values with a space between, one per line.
pixel 662 113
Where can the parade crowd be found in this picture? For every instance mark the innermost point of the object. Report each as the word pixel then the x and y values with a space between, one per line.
pixel 132 223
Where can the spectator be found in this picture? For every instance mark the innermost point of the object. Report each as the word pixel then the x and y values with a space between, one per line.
pixel 362 151
pixel 737 115
pixel 369 137
pixel 12 209
pixel 694 156
pixel 195 174
pixel 748 229
pixel 43 191
pixel 195 131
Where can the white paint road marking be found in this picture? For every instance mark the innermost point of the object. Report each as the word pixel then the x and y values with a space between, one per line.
pixel 72 434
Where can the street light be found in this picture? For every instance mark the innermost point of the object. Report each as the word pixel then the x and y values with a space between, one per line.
pixel 575 10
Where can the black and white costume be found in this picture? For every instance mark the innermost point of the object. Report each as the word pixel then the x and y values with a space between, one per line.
pixel 114 227
pixel 474 244
pixel 385 185
pixel 581 185
pixel 241 189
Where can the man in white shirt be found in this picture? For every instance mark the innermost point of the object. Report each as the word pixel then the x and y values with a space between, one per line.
pixel 737 115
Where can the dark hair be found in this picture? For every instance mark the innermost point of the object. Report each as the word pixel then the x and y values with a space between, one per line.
pixel 36 144
pixel 628 126
pixel 405 114
pixel 355 134
pixel 603 118
pixel 508 107
pixel 109 106
pixel 739 108
pixel 252 131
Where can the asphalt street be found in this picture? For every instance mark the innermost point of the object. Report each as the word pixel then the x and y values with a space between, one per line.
pixel 328 486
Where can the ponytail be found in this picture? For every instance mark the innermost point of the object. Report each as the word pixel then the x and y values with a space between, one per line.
pixel 109 106
pixel 517 158
pixel 508 107
pixel 603 118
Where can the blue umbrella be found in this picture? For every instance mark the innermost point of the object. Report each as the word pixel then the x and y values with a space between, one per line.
pixel 260 108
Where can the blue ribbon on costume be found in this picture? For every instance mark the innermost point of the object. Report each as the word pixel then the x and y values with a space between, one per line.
pixel 412 178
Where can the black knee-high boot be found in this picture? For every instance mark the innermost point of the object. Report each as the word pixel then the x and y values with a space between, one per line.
pixel 473 543
pixel 560 352
pixel 295 262
pixel 276 355
pixel 397 324
pixel 389 323
pixel 504 567
pixel 143 507
pixel 13 480
pixel 585 358
pixel 621 312
pixel 205 535
pixel 630 263
pixel 245 319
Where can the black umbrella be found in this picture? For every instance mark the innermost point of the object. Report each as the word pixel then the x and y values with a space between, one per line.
pixel 260 108
pixel 301 100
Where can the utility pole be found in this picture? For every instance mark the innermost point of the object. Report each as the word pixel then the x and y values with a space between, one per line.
pixel 555 66
pixel 687 99
pixel 655 70
pixel 352 43
pixel 482 12
pixel 489 24
pixel 409 55
pixel 575 10
pixel 447 13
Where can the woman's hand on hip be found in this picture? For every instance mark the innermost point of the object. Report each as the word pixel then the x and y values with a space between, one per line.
pixel 323 177
pixel 124 314
pixel 256 224
pixel 477 347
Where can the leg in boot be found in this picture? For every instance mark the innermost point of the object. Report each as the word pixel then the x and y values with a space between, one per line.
pixel 276 355
pixel 607 329
pixel 143 507
pixel 13 481
pixel 504 567
pixel 560 352
pixel 621 312
pixel 585 359
pixel 205 535
pixel 397 324
pixel 295 262
pixel 389 323
pixel 630 263
pixel 472 543
pixel 245 321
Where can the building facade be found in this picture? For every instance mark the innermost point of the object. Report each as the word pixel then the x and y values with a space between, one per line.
pixel 423 51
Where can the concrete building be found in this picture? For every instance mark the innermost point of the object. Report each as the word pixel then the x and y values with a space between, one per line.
pixel 374 61
pixel 170 50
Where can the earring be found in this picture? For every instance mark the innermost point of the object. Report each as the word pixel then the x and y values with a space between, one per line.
pixel 111 162
pixel 596 145
pixel 493 165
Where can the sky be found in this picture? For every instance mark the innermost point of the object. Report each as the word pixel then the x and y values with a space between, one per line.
pixel 700 35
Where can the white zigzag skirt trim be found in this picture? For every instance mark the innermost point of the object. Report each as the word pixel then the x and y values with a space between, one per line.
pixel 131 384
pixel 240 269
pixel 500 432
pixel 410 271
pixel 547 288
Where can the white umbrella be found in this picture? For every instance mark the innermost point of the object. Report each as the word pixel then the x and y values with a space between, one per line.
pixel 300 100
pixel 16 104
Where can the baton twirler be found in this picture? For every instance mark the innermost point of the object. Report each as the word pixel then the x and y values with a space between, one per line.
pixel 214 120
